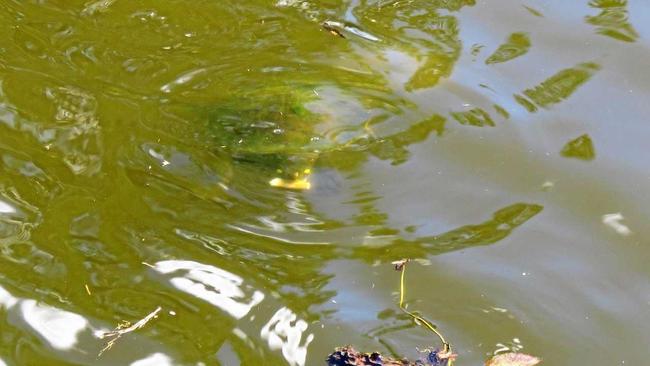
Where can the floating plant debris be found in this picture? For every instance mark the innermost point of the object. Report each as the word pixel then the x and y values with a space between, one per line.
pixel 124 328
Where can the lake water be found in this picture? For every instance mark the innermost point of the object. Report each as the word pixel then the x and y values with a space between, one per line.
pixel 501 145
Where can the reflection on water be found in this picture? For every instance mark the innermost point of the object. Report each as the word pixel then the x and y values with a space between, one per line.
pixel 58 328
pixel 474 117
pixel 75 133
pixel 218 287
pixel 557 88
pixel 71 336
pixel 394 147
pixel 517 45
pixel 284 331
pixel 614 221
pixel 97 6
pixel 155 359
pixel 503 222
pixel 17 218
pixel 227 292
pixel 612 21
pixel 419 29
pixel 580 148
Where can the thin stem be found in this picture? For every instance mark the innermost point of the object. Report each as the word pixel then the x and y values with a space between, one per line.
pixel 446 346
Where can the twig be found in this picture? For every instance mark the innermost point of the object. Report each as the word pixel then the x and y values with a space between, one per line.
pixel 120 331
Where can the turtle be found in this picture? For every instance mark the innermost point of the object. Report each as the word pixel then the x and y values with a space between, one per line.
pixel 286 128
pixel 277 128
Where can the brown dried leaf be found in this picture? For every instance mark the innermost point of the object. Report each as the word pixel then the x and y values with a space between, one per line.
pixel 513 359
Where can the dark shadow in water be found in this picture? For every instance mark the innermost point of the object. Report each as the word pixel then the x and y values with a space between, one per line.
pixel 612 20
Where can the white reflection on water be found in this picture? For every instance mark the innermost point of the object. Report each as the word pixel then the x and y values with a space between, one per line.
pixel 614 221
pixel 274 234
pixel 6 208
pixel 98 6
pixel 73 337
pixel 297 226
pixel 184 79
pixel 58 327
pixel 17 217
pixel 6 300
pixel 226 291
pixel 156 359
pixel 214 285
pixel 281 334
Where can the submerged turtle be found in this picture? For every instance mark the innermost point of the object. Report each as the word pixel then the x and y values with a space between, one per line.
pixel 286 128
pixel 277 128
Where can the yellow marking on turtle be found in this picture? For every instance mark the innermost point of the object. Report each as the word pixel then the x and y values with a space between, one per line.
pixel 300 184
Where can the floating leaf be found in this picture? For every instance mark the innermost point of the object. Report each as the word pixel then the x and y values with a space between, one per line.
pixel 513 359
pixel 579 148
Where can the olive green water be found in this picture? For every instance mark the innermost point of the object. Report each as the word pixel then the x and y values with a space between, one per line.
pixel 503 144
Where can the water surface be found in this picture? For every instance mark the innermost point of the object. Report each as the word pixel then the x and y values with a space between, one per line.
pixel 502 145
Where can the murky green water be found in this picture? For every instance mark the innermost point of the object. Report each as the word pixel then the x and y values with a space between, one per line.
pixel 503 144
